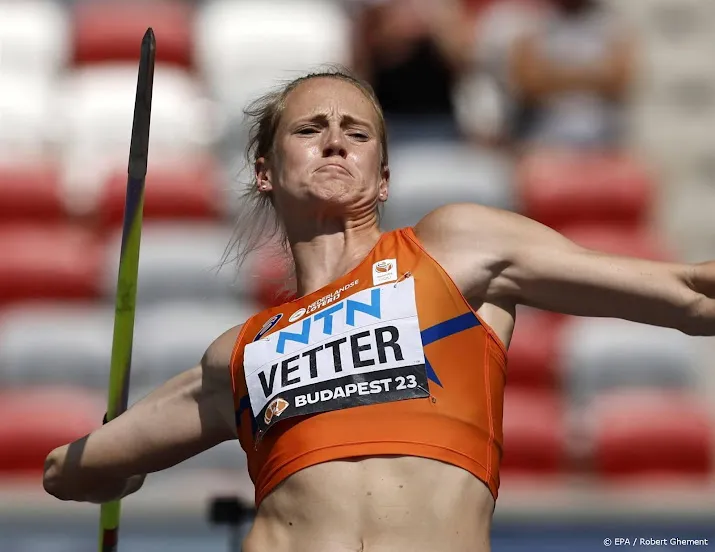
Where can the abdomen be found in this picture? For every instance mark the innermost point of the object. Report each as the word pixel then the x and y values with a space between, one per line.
pixel 375 505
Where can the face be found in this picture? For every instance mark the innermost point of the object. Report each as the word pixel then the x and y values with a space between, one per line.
pixel 327 152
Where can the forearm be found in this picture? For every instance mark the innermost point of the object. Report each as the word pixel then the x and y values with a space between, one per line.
pixel 65 479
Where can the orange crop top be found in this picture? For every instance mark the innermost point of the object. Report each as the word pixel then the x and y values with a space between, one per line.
pixel 388 359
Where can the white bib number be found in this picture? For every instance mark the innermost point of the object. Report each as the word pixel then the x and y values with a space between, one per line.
pixel 366 349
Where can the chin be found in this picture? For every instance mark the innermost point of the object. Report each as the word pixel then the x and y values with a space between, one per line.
pixel 333 192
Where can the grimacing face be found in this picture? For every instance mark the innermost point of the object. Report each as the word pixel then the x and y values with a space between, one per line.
pixel 327 152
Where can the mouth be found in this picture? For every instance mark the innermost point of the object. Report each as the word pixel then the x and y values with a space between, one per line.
pixel 334 166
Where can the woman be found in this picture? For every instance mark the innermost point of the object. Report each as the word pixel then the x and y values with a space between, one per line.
pixel 370 408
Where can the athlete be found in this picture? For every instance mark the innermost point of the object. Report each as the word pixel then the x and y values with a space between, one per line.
pixel 370 408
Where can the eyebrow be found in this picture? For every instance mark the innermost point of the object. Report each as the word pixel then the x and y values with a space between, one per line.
pixel 345 121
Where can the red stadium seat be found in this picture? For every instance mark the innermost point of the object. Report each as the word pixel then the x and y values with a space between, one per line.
pixel 30 191
pixel 532 351
pixel 173 192
pixel 272 279
pixel 35 421
pixel 629 241
pixel 112 31
pixel 650 433
pixel 48 262
pixel 534 434
pixel 563 188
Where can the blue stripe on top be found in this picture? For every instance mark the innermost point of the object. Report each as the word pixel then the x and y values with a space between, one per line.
pixel 446 329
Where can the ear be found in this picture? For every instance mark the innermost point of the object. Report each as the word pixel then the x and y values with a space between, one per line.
pixel 263 176
pixel 383 189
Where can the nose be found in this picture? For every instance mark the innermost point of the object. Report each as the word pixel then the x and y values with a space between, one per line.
pixel 335 143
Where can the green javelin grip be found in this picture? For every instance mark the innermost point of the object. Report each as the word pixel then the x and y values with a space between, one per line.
pixel 129 268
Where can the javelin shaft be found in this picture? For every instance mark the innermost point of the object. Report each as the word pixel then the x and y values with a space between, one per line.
pixel 125 302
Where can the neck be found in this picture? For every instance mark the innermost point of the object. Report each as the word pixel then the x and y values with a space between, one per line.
pixel 329 250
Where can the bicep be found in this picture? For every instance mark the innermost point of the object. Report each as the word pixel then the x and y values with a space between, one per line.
pixel 188 414
pixel 545 270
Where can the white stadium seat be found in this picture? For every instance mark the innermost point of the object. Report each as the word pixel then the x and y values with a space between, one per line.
pixel 425 175
pixel 179 261
pixel 172 337
pixel 690 221
pixel 671 21
pixel 56 343
pixel 34 37
pixel 245 47
pixel 674 125
pixel 599 355
pixel 26 116
pixel 97 104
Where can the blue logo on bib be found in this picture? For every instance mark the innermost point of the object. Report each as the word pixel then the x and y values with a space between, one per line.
pixel 272 321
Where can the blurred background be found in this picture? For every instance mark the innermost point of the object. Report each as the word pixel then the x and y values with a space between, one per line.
pixel 596 118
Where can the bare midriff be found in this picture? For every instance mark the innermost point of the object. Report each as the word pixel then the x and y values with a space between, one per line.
pixel 395 504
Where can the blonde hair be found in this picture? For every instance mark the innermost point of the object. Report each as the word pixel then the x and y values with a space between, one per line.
pixel 258 226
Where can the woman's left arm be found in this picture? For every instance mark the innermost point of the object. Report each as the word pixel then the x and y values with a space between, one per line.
pixel 528 263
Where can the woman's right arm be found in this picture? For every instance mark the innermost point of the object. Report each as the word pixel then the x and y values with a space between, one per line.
pixel 187 415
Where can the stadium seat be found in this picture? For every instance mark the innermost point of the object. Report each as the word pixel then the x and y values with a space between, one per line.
pixel 426 175
pixel 56 344
pixel 30 190
pixel 34 35
pixel 628 241
pixel 675 21
pixel 172 337
pixel 179 261
pixel 34 421
pixel 26 117
pixel 112 31
pixel 604 354
pixel 673 116
pixel 690 220
pixel 96 107
pixel 48 262
pixel 534 434
pixel 187 191
pixel 532 352
pixel 272 283
pixel 244 48
pixel 562 188
pixel 641 433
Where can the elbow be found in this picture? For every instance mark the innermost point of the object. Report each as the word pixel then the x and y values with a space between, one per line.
pixel 700 303
pixel 700 317
pixel 52 479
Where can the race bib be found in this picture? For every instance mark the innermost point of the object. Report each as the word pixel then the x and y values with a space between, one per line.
pixel 366 349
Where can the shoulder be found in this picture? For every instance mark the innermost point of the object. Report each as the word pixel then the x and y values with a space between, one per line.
pixel 457 223
pixel 468 241
pixel 218 354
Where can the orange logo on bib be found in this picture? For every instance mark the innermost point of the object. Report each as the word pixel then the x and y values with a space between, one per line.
pixel 383 266
pixel 276 408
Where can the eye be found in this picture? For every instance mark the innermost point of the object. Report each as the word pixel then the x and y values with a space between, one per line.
pixel 359 136
pixel 307 130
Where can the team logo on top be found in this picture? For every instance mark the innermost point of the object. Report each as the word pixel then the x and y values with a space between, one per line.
pixel 276 408
pixel 384 271
pixel 272 321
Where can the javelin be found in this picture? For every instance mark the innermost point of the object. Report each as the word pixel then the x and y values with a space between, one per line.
pixel 125 302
